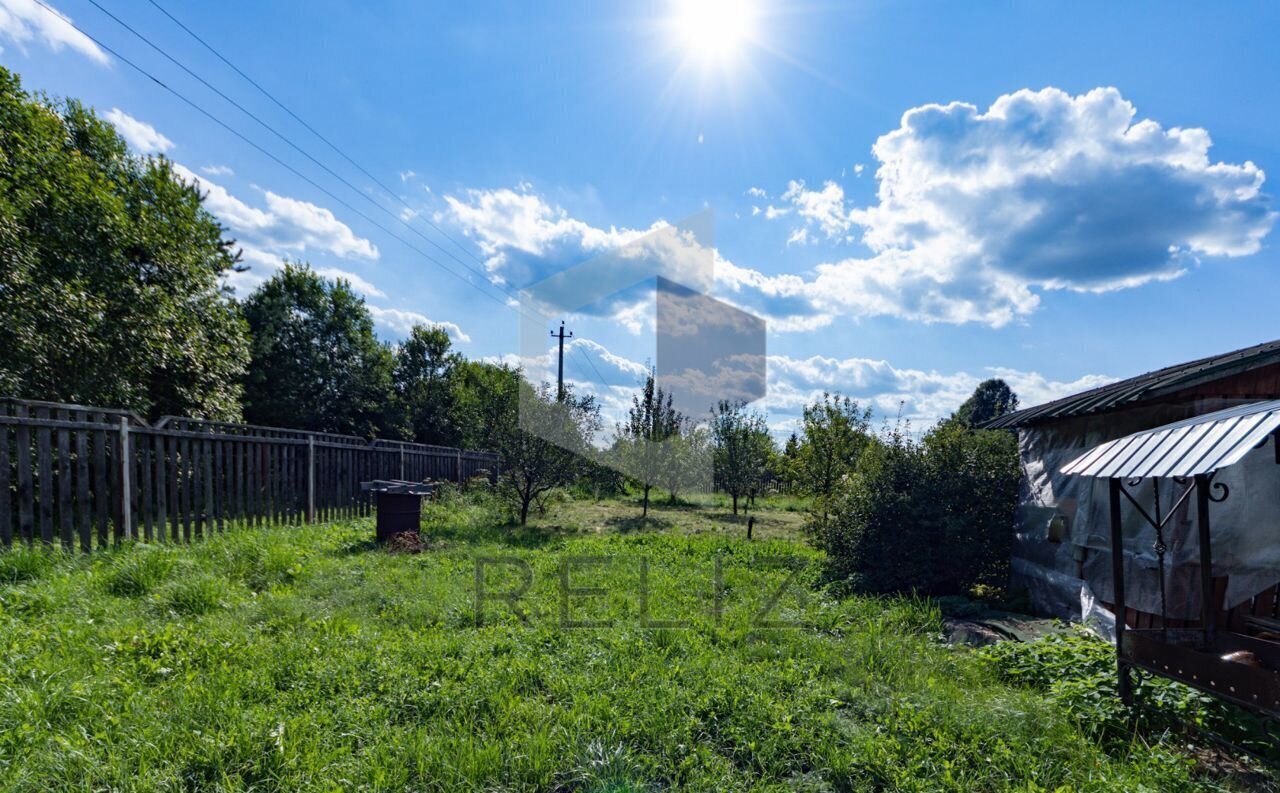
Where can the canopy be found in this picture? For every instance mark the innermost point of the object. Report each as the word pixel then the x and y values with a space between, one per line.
pixel 1199 445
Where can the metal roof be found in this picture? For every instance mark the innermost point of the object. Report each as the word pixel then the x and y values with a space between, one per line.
pixel 1200 445
pixel 1146 386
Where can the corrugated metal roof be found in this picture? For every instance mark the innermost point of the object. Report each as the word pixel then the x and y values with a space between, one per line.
pixel 1200 445
pixel 1145 386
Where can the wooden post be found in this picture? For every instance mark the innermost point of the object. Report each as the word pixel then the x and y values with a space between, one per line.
pixel 459 459
pixel 125 506
pixel 311 479
pixel 402 462
pixel 1117 577
pixel 1208 613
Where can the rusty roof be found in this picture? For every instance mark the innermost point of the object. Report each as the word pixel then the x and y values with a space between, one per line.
pixel 1144 387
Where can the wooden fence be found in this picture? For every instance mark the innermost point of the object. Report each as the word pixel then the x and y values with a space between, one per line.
pixel 89 477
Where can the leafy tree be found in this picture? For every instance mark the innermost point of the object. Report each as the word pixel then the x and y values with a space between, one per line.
pixel 110 269
pixel 485 397
pixel 547 447
pixel 933 516
pixel 687 461
pixel 315 363
pixel 990 400
pixel 646 447
pixel 742 449
pixel 834 433
pixel 426 396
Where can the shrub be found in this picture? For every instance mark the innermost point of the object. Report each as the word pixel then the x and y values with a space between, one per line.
pixel 932 516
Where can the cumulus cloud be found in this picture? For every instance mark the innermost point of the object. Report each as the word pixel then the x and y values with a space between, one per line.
pixel 217 170
pixel 920 396
pixel 979 212
pixel 139 134
pixel 24 21
pixel 526 240
pixel 284 226
pixel 400 322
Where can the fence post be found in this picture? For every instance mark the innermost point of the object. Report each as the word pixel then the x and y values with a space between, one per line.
pixel 311 479
pixel 402 462
pixel 459 464
pixel 125 511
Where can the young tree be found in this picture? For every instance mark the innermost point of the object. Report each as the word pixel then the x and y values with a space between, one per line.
pixel 110 271
pixel 645 447
pixel 687 462
pixel 315 363
pixel 742 449
pixel 990 400
pixel 834 433
pixel 425 395
pixel 546 447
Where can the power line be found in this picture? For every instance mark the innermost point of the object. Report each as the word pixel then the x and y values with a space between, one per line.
pixel 308 127
pixel 193 105
pixel 289 142
pixel 198 108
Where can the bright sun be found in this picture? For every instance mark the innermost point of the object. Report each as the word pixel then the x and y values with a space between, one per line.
pixel 714 29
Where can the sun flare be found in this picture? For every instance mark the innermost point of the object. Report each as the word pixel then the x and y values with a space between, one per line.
pixel 714 29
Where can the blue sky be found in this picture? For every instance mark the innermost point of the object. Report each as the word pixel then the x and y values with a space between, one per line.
pixel 1096 205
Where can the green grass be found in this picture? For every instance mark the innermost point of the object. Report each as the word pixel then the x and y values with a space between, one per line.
pixel 307 659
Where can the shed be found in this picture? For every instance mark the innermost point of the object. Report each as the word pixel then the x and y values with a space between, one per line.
pixel 1062 552
pixel 1238 660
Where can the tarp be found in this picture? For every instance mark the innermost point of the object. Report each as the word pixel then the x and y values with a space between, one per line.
pixel 1067 578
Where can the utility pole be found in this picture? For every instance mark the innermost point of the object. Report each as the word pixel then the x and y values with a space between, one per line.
pixel 560 369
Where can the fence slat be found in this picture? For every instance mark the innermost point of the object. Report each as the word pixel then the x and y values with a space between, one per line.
pixel 184 487
pixel 84 510
pixel 65 506
pixel 44 452
pixel 162 493
pixel 6 514
pixel 101 495
pixel 146 500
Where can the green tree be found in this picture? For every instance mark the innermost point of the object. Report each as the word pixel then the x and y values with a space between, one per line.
pixel 484 399
pixel 834 433
pixel 645 444
pixel 315 363
pixel 934 516
pixel 990 400
pixel 426 394
pixel 547 447
pixel 110 271
pixel 742 447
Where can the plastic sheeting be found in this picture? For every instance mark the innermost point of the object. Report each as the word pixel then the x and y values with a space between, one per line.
pixel 1068 577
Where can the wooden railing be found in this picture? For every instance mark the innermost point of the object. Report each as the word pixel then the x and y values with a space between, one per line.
pixel 89 477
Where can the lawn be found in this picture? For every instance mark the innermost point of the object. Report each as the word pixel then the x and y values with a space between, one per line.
pixel 305 658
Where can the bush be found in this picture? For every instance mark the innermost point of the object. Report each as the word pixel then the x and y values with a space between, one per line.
pixel 933 516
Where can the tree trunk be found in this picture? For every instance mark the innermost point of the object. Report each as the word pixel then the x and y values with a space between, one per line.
pixel 524 511
pixel 645 512
pixel 735 503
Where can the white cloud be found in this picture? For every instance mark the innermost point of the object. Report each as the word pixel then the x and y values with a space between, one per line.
pixel 978 213
pixel 400 322
pixel 757 192
pixel 858 169
pixel 139 134
pixel 217 170
pixel 407 175
pixel 921 396
pixel 22 21
pixel 525 240
pixel 285 226
pixel 357 283
pixel 822 208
